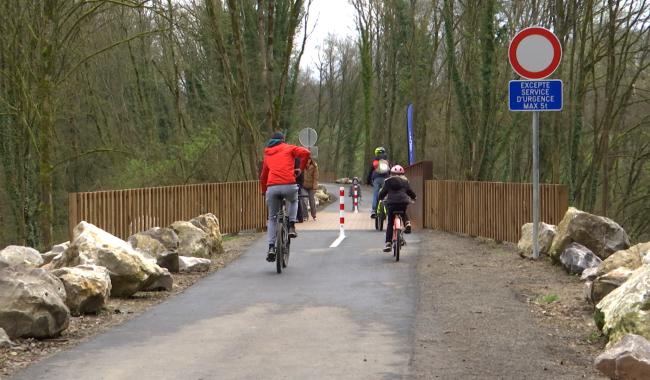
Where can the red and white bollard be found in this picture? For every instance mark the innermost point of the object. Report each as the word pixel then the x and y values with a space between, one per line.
pixel 356 200
pixel 342 209
pixel 341 218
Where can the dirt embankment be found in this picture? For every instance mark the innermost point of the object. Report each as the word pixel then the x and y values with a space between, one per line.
pixel 117 311
pixel 486 313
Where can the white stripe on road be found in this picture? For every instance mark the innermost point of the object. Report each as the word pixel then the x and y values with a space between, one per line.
pixel 338 240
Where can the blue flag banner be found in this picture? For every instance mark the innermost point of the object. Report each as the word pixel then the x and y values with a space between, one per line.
pixel 409 133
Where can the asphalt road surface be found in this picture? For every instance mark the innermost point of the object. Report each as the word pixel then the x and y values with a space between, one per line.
pixel 335 313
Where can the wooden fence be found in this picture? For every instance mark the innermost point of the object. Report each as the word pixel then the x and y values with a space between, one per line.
pixel 494 210
pixel 418 174
pixel 238 205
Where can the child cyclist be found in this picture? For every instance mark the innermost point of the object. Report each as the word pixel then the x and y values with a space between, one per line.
pixel 396 195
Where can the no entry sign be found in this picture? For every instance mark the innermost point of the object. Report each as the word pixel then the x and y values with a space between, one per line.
pixel 535 53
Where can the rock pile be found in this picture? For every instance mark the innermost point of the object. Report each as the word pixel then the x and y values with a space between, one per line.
pixel 40 292
pixel 617 282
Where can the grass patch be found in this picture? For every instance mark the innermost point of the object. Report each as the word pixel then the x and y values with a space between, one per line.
pixel 548 299
pixel 228 237
pixel 595 337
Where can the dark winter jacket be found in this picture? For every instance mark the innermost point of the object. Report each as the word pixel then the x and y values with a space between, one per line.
pixel 396 190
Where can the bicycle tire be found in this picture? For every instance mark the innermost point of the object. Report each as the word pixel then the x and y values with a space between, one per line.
pixel 397 245
pixel 279 246
pixel 381 222
pixel 287 248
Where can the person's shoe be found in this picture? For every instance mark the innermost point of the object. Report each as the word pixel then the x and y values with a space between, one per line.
pixel 313 219
pixel 270 257
pixel 373 215
pixel 407 228
pixel 292 231
pixel 388 247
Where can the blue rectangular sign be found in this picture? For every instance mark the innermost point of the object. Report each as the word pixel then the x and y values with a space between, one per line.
pixel 535 95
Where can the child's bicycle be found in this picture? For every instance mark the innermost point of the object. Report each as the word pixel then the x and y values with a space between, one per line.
pixel 398 233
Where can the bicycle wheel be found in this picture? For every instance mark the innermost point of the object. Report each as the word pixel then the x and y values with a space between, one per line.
pixel 279 244
pixel 397 245
pixel 287 246
pixel 380 220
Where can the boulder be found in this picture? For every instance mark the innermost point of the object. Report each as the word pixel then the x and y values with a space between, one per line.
pixel 165 236
pixel 193 264
pixel 159 244
pixel 545 236
pixel 210 225
pixel 15 255
pixel 32 303
pixel 48 257
pixel 87 287
pixel 576 258
pixel 601 235
pixel 5 342
pixel 589 274
pixel 321 196
pixel 54 252
pixel 630 258
pixel 164 282
pixel 629 359
pixel 129 270
pixel 603 285
pixel 626 310
pixel 169 261
pixel 193 241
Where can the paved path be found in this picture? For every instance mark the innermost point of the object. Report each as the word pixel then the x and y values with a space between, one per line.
pixel 343 313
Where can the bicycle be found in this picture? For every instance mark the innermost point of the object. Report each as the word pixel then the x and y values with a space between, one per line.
pixel 398 233
pixel 282 239
pixel 380 216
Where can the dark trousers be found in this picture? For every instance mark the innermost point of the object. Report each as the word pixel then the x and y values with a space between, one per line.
pixel 391 208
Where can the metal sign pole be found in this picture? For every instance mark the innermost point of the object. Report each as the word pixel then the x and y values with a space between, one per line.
pixel 535 183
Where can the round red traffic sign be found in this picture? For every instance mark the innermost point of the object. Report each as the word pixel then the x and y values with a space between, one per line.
pixel 535 53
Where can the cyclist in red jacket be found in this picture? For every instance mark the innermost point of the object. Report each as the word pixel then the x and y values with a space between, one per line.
pixel 278 181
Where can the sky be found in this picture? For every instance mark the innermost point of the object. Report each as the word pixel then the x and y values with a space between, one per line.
pixel 327 17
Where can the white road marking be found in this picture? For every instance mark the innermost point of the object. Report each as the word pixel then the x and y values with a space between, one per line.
pixel 338 240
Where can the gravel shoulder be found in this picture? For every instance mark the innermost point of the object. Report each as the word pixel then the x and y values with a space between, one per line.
pixel 485 313
pixel 116 312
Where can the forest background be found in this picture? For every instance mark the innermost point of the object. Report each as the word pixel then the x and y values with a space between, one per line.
pixel 109 94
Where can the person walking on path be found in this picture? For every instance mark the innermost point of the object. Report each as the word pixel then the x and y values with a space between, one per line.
pixel 379 171
pixel 398 194
pixel 278 181
pixel 310 186
pixel 302 193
